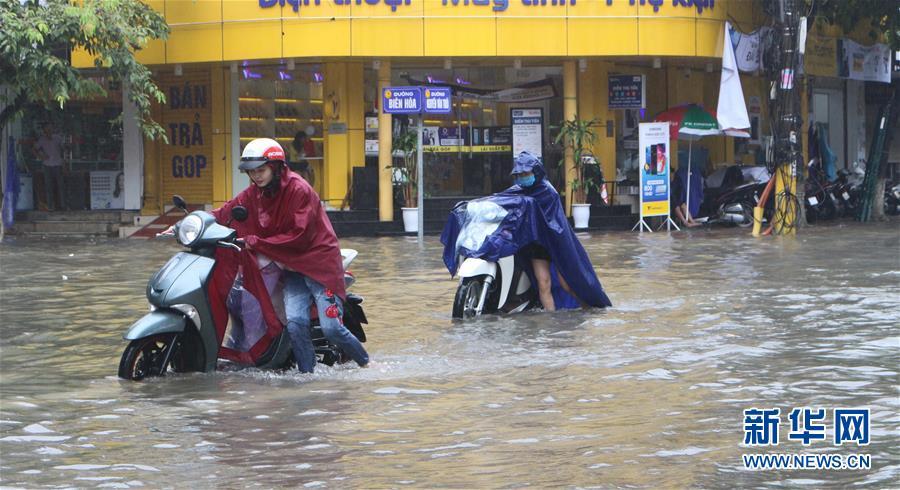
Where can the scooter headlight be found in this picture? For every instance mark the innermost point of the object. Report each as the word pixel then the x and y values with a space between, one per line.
pixel 189 229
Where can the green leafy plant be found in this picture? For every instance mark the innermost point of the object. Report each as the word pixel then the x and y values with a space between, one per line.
pixel 37 36
pixel 578 136
pixel 404 166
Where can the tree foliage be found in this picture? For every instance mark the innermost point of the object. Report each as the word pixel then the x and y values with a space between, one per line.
pixel 37 35
pixel 882 16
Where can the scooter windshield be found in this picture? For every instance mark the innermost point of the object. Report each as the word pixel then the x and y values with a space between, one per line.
pixel 483 217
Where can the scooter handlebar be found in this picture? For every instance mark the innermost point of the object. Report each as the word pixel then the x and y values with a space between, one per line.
pixel 237 244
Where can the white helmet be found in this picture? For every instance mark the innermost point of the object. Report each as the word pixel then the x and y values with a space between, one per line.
pixel 259 152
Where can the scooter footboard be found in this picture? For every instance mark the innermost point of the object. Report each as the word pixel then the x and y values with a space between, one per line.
pixel 156 322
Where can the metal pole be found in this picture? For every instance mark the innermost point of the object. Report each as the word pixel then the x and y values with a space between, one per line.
pixel 420 173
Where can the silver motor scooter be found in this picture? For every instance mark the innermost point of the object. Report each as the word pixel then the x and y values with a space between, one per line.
pixel 179 332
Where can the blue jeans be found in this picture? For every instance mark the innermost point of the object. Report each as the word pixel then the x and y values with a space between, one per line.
pixel 299 292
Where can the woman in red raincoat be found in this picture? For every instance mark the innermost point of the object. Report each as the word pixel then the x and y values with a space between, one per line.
pixel 287 224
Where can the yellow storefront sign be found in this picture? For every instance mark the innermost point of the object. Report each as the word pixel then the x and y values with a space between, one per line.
pixel 218 30
pixel 186 162
pixel 821 56
pixel 469 149
pixel 655 208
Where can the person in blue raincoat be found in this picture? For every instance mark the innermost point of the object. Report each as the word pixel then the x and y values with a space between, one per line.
pixel 537 231
pixel 529 177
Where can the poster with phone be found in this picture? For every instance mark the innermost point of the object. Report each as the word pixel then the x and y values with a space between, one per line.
pixel 654 147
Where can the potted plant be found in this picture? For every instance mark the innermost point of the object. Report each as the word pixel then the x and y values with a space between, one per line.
pixel 578 136
pixel 404 175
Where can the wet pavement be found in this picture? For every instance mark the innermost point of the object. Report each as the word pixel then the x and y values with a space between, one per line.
pixel 648 394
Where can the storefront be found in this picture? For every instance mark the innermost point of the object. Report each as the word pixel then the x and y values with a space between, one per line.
pixel 312 72
pixel 89 170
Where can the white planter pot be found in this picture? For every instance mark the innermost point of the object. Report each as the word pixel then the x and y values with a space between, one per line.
pixel 581 214
pixel 410 219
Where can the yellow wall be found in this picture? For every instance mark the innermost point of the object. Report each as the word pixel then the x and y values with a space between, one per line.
pixel 187 161
pixel 225 30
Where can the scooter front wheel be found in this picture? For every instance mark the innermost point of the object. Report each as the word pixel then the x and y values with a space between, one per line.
pixel 467 295
pixel 147 357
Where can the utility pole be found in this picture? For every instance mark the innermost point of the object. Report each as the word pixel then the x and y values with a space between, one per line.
pixel 787 122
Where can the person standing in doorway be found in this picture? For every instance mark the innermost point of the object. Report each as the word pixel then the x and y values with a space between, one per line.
pixel 50 150
pixel 301 149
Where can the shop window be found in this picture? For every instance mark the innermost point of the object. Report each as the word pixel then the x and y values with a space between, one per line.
pixel 468 152
pixel 89 136
pixel 285 105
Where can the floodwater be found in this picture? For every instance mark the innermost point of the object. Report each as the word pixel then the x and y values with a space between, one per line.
pixel 648 394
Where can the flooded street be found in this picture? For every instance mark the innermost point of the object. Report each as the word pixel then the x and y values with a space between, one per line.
pixel 647 394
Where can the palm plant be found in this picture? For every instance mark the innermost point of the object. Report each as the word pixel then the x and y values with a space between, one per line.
pixel 578 136
pixel 404 166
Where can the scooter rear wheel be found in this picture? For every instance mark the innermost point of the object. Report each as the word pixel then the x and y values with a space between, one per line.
pixel 147 357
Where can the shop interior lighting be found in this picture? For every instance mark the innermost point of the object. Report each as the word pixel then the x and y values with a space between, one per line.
pixel 318 77
pixel 657 62
pixel 290 65
pixel 179 70
pixel 251 75
pixel 517 64
pixel 582 65
pixel 250 99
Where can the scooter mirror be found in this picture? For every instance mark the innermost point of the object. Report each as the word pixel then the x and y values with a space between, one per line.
pixel 239 213
pixel 179 202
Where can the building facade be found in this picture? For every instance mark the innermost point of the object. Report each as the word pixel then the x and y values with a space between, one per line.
pixel 313 70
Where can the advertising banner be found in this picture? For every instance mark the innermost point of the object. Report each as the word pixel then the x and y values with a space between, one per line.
pixel 527 131
pixel 107 189
pixel 867 63
pixel 654 169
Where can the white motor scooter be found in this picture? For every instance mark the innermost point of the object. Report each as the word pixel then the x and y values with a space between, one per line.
pixel 484 286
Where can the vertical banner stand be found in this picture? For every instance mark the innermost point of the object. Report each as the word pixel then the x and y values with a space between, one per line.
pixel 654 175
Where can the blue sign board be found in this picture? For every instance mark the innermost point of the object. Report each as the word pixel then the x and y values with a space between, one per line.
pixel 401 100
pixel 627 92
pixel 437 100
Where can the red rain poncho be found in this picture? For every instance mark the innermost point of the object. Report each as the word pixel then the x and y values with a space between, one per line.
pixel 291 228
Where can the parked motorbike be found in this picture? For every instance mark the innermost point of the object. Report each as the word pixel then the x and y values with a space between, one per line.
pixel 892 199
pixel 180 334
pixel 821 195
pixel 732 202
pixel 846 191
pixel 488 287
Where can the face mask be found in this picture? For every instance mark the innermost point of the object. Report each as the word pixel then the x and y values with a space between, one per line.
pixel 525 181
